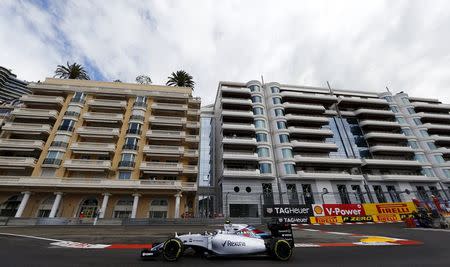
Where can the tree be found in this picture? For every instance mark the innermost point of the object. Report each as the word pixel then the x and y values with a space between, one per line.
pixel 143 79
pixel 117 81
pixel 72 71
pixel 180 78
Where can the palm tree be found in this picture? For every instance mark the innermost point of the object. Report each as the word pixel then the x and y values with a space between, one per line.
pixel 72 71
pixel 143 79
pixel 180 78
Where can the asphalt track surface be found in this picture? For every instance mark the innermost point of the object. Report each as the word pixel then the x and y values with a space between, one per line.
pixel 21 251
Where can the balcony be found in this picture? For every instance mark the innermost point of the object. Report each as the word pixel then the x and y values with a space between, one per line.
pixel 161 167
pixel 17 162
pixel 92 148
pixel 385 136
pixel 391 163
pixel 402 178
pixel 30 113
pixel 356 101
pixel 193 112
pixel 364 112
pixel 103 132
pixel 21 145
pixel 424 106
pixel 27 128
pixel 327 160
pixel 166 120
pixel 190 169
pixel 437 127
pixel 169 106
pixel 191 153
pixel 434 117
pixel 239 141
pixel 192 138
pixel 157 150
pixel 165 135
pixel 237 101
pixel 107 103
pixel 42 99
pixel 304 107
pixel 192 125
pixel 102 117
pixel 195 100
pixel 243 173
pixel 239 155
pixel 310 131
pixel 237 113
pixel 314 145
pixel 239 126
pixel 391 149
pixel 87 164
pixel 441 139
pixel 307 119
pixel 325 98
pixel 243 90
pixel 379 124
pixel 334 176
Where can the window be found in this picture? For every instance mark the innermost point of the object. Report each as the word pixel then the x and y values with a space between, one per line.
pixel 292 194
pixel 420 158
pixel 284 138
pixel 265 168
pixel 134 128
pixel 427 172
pixel 393 193
pixel 407 131
pixel 124 175
pixel 130 143
pixel 435 192
pixel 413 144
pixel 417 121
pixel 446 173
pixel 394 109
pixel 275 90
pixel 289 168
pixel 258 111
pixel 281 125
pixel 256 99
pixel 260 124
pixel 279 112
pixel 128 157
pixel 424 133
pixel 123 208
pixel 359 193
pixel 379 193
pixel 405 101
pixel 78 97
pixel 263 152
pixel 287 153
pixel 411 110
pixel 401 120
pixel 158 208
pixel 261 137
pixel 141 99
pixel 388 98
pixel 342 189
pixel 276 100
pixel 307 194
pixel 66 125
pixel 267 193
pixel 431 145
pixel 422 193
pixel 254 88
pixel 55 154
pixel 439 159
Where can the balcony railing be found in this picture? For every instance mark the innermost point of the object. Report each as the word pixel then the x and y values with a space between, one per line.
pixel 42 99
pixel 65 128
pixel 72 114
pixel 102 117
pixel 87 164
pixel 192 153
pixel 137 118
pixel 17 162
pixel 58 144
pixel 157 149
pixel 190 169
pixel 140 104
pixel 151 134
pixel 168 106
pixel 166 120
pixel 130 146
pixel 98 131
pixel 93 147
pixel 51 161
pixel 21 144
pixel 127 164
pixel 27 128
pixel 161 166
pixel 34 113
pixel 134 131
pixel 192 138
pixel 107 103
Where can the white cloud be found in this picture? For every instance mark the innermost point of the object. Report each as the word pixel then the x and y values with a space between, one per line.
pixel 353 44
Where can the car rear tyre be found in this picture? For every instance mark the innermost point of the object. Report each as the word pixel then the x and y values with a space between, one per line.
pixel 281 249
pixel 172 249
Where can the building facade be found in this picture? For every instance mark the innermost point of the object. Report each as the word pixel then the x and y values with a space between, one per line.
pixel 288 144
pixel 78 148
pixel 11 88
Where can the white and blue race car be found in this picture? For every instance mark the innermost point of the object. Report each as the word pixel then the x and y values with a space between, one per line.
pixel 234 240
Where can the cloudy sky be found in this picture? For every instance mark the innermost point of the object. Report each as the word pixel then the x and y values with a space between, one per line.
pixel 364 45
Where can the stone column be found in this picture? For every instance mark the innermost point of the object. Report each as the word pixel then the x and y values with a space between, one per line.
pixel 55 205
pixel 135 205
pixel 104 205
pixel 23 204
pixel 177 204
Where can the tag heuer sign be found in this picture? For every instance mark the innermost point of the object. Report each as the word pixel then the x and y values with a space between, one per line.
pixel 287 210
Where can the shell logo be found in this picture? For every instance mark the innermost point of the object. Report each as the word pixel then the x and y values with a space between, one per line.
pixel 318 210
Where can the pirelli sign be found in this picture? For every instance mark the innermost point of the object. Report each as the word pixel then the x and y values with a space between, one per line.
pixel 389 208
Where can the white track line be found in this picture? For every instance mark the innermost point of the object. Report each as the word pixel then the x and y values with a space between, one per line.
pixel 33 237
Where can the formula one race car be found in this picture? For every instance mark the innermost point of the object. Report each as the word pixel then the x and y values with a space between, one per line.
pixel 234 240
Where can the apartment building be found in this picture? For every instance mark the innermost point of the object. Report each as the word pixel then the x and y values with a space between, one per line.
pixel 297 144
pixel 76 148
pixel 11 88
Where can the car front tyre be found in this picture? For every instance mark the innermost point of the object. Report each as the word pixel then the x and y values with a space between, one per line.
pixel 281 249
pixel 172 249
